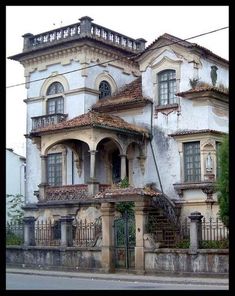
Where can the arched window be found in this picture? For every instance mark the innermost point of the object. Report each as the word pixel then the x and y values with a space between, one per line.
pixel 55 105
pixel 105 89
pixel 55 88
pixel 167 87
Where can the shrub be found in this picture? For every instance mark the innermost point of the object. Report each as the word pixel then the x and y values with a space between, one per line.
pixel 13 239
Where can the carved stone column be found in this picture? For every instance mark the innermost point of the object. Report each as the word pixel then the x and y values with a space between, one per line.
pixel 123 166
pixel 107 252
pixel 43 184
pixel 93 185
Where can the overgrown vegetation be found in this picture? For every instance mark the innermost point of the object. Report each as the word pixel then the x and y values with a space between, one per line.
pixel 222 185
pixel 125 206
pixel 13 239
pixel 205 244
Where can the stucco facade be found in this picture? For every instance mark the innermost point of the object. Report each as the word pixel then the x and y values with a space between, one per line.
pixel 142 139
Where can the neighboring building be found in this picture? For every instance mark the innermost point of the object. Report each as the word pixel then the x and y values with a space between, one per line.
pixel 155 115
pixel 15 176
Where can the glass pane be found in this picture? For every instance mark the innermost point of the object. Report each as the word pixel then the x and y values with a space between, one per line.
pixel 105 89
pixel 55 88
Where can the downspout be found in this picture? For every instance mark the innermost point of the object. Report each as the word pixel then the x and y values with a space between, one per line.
pixel 154 158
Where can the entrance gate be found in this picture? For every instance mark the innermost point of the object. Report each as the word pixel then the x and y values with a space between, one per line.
pixel 124 241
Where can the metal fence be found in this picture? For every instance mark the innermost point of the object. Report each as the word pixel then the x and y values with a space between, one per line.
pixel 169 235
pixel 14 233
pixel 86 234
pixel 214 230
pixel 47 233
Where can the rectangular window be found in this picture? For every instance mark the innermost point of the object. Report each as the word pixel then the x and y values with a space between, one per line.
pixel 192 163
pixel 54 169
pixel 55 106
pixel 167 87
pixel 218 168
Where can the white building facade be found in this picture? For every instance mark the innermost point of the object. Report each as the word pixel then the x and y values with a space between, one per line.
pixel 102 107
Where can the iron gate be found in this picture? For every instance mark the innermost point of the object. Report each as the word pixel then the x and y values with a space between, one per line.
pixel 124 241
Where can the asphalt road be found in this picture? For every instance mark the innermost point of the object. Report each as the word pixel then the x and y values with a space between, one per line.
pixel 16 281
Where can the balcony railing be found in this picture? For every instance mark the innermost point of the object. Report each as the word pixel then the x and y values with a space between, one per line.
pixel 67 192
pixel 78 30
pixel 45 120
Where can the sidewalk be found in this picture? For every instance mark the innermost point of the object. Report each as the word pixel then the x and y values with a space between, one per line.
pixel 126 276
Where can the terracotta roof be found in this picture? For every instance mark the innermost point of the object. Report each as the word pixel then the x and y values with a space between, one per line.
pixel 130 95
pixel 203 89
pixel 189 132
pixel 130 191
pixel 184 43
pixel 93 119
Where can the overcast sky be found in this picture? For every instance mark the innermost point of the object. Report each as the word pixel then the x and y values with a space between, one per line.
pixel 148 22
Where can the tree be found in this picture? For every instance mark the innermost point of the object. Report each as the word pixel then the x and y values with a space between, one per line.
pixel 14 210
pixel 223 181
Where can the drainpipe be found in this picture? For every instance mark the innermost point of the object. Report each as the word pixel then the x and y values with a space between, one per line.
pixel 154 157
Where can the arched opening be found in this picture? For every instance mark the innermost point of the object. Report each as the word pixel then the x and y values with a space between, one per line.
pixel 109 169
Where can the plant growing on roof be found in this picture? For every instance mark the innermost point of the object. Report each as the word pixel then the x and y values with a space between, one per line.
pixel 193 82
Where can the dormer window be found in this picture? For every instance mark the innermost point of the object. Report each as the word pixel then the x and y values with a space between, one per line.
pixel 105 89
pixel 55 104
pixel 167 87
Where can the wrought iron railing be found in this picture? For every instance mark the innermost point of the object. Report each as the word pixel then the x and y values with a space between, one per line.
pixel 46 120
pixel 14 233
pixel 214 230
pixel 86 234
pixel 47 233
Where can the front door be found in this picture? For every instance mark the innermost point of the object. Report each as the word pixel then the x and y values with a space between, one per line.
pixel 124 241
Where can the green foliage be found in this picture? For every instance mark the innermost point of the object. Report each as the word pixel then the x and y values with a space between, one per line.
pixel 183 244
pixel 15 212
pixel 13 239
pixel 205 244
pixel 221 244
pixel 125 205
pixel 222 185
pixel 124 183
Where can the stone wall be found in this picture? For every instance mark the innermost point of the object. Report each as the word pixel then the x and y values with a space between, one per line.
pixel 205 261
pixel 70 258
pixel 184 261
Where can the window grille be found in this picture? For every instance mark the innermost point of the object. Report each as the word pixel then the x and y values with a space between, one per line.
pixel 105 89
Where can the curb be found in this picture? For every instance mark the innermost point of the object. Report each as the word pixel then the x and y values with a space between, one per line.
pixel 123 277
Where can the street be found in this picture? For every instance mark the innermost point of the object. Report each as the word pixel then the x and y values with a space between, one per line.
pixel 15 281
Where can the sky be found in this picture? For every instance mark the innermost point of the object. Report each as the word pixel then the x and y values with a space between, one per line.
pixel 148 22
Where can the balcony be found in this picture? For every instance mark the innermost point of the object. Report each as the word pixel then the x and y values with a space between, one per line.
pixel 79 30
pixel 45 120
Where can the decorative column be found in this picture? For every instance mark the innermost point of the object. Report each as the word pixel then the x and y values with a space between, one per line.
pixel 140 222
pixel 93 185
pixel 123 166
pixel 43 184
pixel 29 231
pixel 107 251
pixel 66 231
pixel 195 230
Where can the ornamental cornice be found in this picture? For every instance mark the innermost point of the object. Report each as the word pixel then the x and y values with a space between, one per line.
pixel 84 54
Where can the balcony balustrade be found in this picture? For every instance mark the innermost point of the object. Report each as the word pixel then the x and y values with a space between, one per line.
pixel 79 30
pixel 45 120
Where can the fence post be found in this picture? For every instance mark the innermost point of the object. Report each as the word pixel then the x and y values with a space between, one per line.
pixel 66 231
pixel 29 231
pixel 195 230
